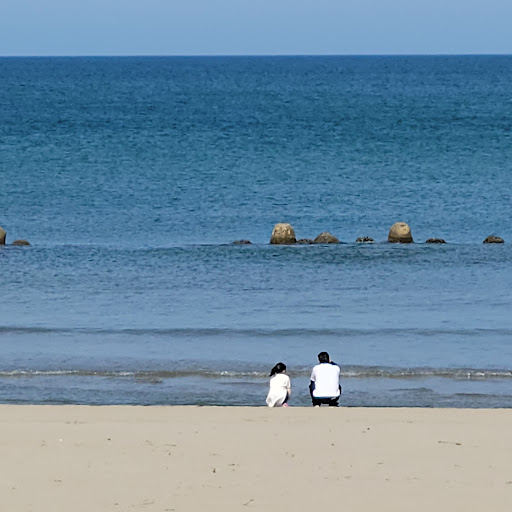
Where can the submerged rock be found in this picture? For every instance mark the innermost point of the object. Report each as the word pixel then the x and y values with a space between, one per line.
pixel 242 242
pixel 492 239
pixel 435 241
pixel 283 234
pixel 21 242
pixel 2 236
pixel 326 238
pixel 305 241
pixel 400 233
pixel 364 240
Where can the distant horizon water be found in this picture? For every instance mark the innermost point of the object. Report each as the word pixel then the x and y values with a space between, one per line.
pixel 249 55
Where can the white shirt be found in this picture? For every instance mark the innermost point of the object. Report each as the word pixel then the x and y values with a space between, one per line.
pixel 280 389
pixel 326 377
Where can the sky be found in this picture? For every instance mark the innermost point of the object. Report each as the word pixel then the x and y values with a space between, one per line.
pixel 254 27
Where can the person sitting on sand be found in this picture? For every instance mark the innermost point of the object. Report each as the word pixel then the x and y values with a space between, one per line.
pixel 280 387
pixel 325 382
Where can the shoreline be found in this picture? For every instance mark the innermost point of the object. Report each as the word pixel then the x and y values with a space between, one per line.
pixel 179 458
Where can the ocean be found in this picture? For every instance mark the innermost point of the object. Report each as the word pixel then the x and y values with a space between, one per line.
pixel 131 178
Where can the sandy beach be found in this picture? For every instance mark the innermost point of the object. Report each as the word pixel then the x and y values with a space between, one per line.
pixel 80 458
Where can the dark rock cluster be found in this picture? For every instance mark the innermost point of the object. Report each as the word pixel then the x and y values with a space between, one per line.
pixel 492 239
pixel 400 232
pixel 3 236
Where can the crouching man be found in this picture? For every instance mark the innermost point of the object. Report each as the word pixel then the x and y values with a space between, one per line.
pixel 325 382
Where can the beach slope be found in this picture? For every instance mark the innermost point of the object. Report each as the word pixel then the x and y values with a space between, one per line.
pixel 99 459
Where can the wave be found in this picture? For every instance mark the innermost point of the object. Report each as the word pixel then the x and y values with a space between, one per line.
pixel 253 332
pixel 351 372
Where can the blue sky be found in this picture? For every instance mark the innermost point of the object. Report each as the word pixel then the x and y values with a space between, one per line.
pixel 256 27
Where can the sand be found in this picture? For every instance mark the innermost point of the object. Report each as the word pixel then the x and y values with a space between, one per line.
pixel 95 459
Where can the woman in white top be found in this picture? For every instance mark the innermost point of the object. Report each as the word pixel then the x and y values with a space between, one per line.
pixel 280 387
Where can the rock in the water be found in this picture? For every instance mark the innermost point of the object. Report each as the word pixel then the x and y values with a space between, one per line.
pixel 242 242
pixel 283 234
pixel 400 232
pixel 21 242
pixel 2 236
pixel 364 240
pixel 326 238
pixel 494 240
pixel 305 241
pixel 435 241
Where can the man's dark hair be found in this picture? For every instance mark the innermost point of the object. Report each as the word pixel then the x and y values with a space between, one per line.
pixel 323 357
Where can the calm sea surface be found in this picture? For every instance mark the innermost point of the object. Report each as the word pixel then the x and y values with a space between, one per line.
pixel 131 178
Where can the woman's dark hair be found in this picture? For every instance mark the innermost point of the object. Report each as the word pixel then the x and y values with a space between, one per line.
pixel 278 368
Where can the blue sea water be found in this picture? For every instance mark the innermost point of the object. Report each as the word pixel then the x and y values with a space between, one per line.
pixel 131 178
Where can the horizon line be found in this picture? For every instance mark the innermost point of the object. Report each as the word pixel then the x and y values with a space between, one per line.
pixel 256 55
